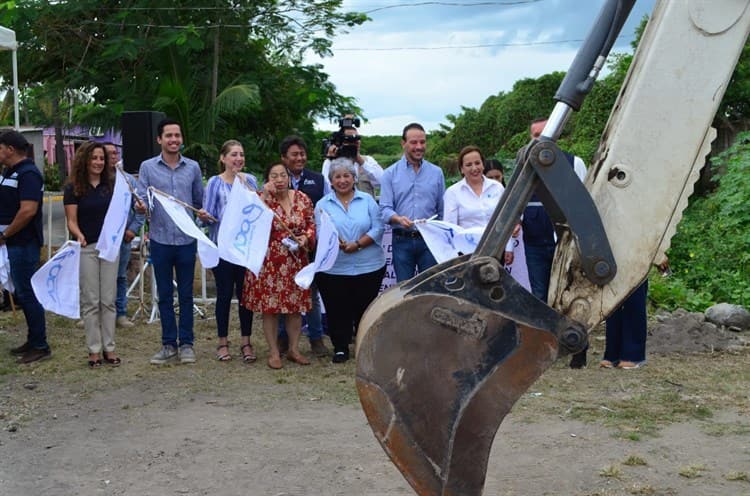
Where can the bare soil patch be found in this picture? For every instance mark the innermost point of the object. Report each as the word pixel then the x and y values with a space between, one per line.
pixel 680 426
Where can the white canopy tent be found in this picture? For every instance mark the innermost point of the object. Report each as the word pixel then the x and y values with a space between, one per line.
pixel 8 42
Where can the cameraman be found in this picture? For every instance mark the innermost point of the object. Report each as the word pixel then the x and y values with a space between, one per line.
pixel 346 143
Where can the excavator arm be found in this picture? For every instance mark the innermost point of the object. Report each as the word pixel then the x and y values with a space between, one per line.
pixel 653 147
pixel 442 358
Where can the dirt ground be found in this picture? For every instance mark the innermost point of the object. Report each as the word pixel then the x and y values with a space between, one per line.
pixel 272 436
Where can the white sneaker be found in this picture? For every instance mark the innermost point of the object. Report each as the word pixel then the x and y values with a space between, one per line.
pixel 187 355
pixel 165 354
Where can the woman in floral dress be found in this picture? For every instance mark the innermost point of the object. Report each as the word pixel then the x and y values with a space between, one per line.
pixel 274 291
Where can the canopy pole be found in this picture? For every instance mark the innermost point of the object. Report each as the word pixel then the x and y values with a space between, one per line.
pixel 16 118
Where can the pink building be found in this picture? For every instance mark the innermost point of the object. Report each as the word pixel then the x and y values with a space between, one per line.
pixel 73 137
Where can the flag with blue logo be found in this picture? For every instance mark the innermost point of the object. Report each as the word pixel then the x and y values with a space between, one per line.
pixel 326 252
pixel 115 220
pixel 55 284
pixel 245 228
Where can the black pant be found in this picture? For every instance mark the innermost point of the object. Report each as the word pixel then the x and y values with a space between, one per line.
pixel 346 298
pixel 229 279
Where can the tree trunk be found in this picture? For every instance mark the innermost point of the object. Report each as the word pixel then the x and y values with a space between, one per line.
pixel 215 72
pixel 60 157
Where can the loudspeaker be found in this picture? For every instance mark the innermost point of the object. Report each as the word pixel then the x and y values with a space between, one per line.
pixel 139 138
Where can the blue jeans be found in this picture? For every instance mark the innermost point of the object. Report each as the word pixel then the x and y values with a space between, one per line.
pixel 313 318
pixel 121 301
pixel 181 260
pixel 229 279
pixel 24 261
pixel 627 329
pixel 409 254
pixel 539 263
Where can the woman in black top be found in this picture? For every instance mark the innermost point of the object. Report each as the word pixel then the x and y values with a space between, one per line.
pixel 86 198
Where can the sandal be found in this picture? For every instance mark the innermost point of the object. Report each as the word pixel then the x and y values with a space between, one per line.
pixel 628 365
pixel 274 362
pixel 297 358
pixel 115 362
pixel 223 356
pixel 249 355
pixel 95 364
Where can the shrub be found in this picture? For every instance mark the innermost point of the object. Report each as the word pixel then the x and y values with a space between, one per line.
pixel 710 254
pixel 52 181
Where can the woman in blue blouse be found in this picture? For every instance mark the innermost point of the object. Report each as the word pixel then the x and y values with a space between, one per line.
pixel 353 282
pixel 229 277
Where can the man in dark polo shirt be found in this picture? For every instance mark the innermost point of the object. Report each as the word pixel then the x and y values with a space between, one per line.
pixel 21 189
pixel 539 238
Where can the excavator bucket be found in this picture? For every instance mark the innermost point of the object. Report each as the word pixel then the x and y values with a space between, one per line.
pixel 442 359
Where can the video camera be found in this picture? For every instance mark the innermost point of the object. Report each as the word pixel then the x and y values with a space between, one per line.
pixel 346 145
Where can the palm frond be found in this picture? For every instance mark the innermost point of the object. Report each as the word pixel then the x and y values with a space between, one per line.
pixel 235 98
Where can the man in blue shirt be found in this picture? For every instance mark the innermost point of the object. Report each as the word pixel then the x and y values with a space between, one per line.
pixel 411 189
pixel 171 249
pixel 21 189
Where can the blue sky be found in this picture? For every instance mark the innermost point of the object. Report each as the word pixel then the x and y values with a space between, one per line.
pixel 395 83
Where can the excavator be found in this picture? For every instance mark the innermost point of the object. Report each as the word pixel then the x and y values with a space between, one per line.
pixel 442 357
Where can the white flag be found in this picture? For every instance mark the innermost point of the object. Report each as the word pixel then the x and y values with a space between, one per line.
pixel 55 284
pixel 446 240
pixel 207 250
pixel 518 268
pixel 245 228
pixel 115 220
pixel 326 252
pixel 5 281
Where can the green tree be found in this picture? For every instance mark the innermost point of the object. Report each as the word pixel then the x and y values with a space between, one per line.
pixel 500 125
pixel 218 67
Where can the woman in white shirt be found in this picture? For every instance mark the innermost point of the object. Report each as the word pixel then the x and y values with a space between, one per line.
pixel 471 201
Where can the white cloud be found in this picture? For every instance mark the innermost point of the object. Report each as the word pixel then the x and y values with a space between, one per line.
pixel 387 125
pixel 431 84
pixel 395 87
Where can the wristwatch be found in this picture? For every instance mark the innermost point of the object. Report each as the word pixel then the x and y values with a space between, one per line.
pixel 359 246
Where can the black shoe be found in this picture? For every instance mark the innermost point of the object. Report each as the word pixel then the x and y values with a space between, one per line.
pixel 35 356
pixel 579 360
pixel 283 346
pixel 318 348
pixel 6 306
pixel 20 350
pixel 340 357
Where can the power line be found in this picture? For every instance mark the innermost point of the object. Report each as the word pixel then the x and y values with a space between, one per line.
pixel 452 4
pixel 360 49
pixel 495 3
pixel 459 47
